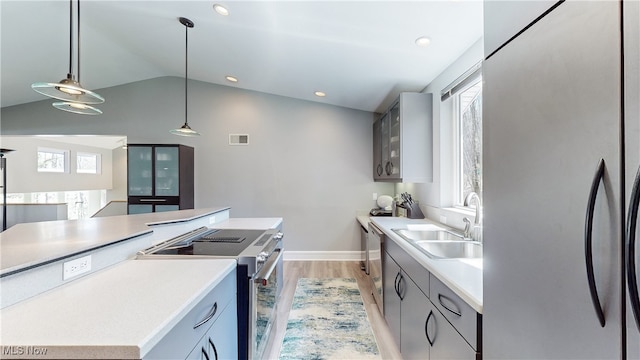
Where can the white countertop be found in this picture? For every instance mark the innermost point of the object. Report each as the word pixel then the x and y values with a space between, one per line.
pixel 249 223
pixel 30 244
pixel 120 312
pixel 462 276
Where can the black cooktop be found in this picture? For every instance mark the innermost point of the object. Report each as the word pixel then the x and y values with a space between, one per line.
pixel 225 242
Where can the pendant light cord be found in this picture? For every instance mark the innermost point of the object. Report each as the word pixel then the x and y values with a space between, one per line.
pixel 77 40
pixel 78 44
pixel 186 68
pixel 70 36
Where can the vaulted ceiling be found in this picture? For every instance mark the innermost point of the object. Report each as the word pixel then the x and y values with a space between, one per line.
pixel 360 53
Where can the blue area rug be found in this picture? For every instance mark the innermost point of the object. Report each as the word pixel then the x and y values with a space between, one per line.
pixel 328 321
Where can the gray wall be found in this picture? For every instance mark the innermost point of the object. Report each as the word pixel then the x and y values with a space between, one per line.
pixel 307 162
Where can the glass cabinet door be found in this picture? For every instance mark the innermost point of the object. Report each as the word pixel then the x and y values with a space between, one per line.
pixel 385 140
pixel 394 141
pixel 167 171
pixel 140 171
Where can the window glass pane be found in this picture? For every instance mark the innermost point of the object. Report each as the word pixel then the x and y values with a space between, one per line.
pixel 470 124
pixel 52 160
pixel 87 163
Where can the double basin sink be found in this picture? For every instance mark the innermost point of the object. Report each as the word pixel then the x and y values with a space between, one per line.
pixel 442 244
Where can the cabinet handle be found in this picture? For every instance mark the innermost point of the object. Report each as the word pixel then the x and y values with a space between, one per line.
pixel 153 200
pixel 204 352
pixel 386 168
pixel 379 169
pixel 440 297
pixel 400 289
pixel 632 219
pixel 213 346
pixel 426 329
pixel 390 168
pixel 395 284
pixel 588 242
pixel 209 316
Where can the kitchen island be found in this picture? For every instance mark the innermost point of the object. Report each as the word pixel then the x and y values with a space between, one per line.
pixel 36 253
pixel 118 313
pixel 122 307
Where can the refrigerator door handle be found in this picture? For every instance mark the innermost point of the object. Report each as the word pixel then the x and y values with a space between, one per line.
pixel 588 254
pixel 632 219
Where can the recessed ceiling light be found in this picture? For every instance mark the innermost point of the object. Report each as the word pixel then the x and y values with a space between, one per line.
pixel 320 94
pixel 423 41
pixel 221 9
pixel 231 78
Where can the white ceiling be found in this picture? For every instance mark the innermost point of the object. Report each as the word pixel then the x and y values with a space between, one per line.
pixel 361 53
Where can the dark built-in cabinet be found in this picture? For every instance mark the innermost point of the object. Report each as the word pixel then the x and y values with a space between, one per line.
pixel 160 178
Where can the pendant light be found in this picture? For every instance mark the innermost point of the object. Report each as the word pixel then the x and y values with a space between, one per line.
pixel 74 97
pixel 185 130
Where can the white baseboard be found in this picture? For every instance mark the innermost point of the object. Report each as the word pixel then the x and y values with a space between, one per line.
pixel 322 255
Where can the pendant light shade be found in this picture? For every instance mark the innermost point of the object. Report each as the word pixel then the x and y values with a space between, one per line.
pixel 76 107
pixel 185 130
pixel 69 90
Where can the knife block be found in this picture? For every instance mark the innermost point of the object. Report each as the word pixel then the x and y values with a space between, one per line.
pixel 413 210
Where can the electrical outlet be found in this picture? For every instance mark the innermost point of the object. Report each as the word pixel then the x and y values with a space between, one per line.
pixel 76 267
pixel 375 196
pixel 212 220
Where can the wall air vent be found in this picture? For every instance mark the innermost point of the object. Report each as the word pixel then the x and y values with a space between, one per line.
pixel 238 139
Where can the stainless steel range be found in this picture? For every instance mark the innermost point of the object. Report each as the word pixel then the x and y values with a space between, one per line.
pixel 259 275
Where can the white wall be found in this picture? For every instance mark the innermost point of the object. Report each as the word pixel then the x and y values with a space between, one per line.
pixel 307 162
pixel 436 198
pixel 22 169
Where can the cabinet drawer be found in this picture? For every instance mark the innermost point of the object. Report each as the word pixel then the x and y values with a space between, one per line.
pixel 182 338
pixel 463 318
pixel 409 265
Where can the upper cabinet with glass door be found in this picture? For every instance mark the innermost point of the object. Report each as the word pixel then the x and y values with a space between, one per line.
pixel 160 178
pixel 403 140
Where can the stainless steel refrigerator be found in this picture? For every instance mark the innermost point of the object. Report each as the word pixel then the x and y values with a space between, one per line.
pixel 561 149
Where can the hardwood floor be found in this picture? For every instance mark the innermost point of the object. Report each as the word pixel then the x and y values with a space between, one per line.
pixel 293 270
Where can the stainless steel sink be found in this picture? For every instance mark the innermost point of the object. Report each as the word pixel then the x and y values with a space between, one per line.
pixel 443 249
pixel 428 235
pixel 442 244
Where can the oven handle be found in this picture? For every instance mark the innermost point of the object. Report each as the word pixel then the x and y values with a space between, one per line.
pixel 267 269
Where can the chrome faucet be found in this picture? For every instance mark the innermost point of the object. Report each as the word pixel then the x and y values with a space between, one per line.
pixel 477 231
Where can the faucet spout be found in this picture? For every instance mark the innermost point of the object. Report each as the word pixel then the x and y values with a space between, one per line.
pixel 467 201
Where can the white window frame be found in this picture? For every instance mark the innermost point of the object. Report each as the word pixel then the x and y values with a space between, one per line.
pixel 63 152
pixel 98 159
pixel 458 197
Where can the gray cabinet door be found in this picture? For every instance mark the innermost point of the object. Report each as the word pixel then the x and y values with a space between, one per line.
pixel 414 313
pixel 222 339
pixel 447 343
pixel 391 276
pixel 551 112
pixel 632 143
pixel 378 166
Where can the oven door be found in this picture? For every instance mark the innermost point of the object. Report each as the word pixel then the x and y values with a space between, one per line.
pixel 265 292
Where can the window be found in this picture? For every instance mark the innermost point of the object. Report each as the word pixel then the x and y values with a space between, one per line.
pixel 88 163
pixel 53 160
pixel 468 105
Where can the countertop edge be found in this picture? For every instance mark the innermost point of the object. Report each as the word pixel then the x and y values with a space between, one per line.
pixel 458 289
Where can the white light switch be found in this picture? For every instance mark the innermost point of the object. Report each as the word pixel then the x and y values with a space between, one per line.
pixel 375 196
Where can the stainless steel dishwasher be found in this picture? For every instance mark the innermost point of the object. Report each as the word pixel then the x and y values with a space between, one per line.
pixel 375 250
pixel 364 255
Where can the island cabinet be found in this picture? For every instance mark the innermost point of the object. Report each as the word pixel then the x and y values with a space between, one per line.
pixel 208 331
pixel 414 301
pixel 220 342
pixel 402 140
pixel 159 178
